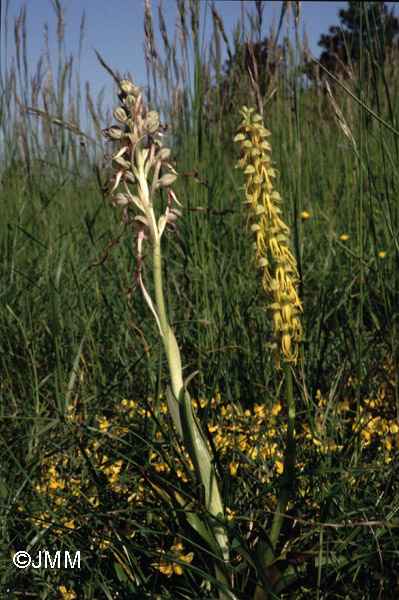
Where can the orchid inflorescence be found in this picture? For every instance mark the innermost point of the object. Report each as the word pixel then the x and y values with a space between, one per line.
pixel 138 162
pixel 272 242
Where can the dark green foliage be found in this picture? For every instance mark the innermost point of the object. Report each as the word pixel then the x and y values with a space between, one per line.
pixel 366 25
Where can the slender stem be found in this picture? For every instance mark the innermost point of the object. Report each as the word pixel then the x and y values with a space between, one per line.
pixel 267 552
pixel 289 461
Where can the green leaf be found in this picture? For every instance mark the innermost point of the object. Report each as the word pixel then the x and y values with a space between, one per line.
pixel 196 446
pixel 120 573
pixel 173 406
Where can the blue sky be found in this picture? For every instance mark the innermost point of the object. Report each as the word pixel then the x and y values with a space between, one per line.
pixel 115 29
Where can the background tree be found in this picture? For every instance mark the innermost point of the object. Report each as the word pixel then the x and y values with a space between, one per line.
pixel 362 23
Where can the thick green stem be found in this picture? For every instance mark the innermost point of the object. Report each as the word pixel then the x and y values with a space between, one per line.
pixel 169 340
pixel 186 423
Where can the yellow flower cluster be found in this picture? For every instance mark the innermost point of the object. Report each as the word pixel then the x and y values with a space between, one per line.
pixel 378 422
pixel 236 434
pixel 59 490
pixel 272 255
pixel 168 566
pixel 244 439
pixel 318 436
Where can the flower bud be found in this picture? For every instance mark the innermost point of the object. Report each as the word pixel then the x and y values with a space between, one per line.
pixel 122 199
pixel 119 162
pixel 130 178
pixel 153 115
pixel 164 154
pixel 130 103
pixel 152 124
pixel 262 262
pixel 128 88
pixel 140 219
pixel 166 180
pixel 120 115
pixel 174 214
pixel 115 132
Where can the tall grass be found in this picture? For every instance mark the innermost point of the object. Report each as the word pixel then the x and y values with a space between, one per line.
pixel 84 437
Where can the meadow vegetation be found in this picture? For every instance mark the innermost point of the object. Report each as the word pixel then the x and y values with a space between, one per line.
pixel 90 459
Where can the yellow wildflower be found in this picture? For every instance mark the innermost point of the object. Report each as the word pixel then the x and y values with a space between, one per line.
pixel 393 427
pixel 279 466
pixel 230 513
pixel 65 595
pixel 104 424
pixel 169 567
pixel 233 468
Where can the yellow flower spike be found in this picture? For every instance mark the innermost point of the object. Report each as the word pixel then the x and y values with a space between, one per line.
pixel 280 276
